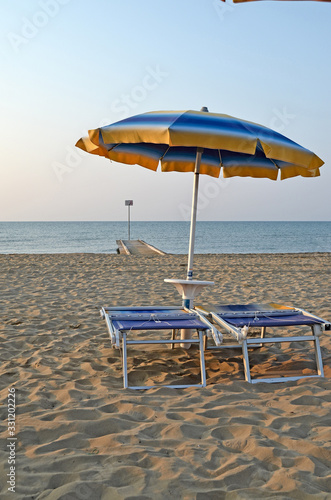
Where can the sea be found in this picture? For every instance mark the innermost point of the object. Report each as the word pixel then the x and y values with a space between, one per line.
pixel 171 237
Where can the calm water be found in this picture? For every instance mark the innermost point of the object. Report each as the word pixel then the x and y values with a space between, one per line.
pixel 171 237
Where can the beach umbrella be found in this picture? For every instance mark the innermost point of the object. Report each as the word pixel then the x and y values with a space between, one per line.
pixel 203 143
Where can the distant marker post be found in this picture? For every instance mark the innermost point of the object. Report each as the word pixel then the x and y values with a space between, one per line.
pixel 128 203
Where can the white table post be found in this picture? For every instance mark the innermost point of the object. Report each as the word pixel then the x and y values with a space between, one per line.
pixel 188 290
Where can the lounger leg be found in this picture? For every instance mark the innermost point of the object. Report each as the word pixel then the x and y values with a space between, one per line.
pixel 263 332
pixel 246 361
pixel 173 336
pixel 202 360
pixel 318 354
pixel 125 365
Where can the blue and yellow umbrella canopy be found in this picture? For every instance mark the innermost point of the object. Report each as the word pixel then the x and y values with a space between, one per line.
pixel 230 146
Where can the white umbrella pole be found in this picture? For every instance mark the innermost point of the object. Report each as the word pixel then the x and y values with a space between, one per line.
pixel 194 213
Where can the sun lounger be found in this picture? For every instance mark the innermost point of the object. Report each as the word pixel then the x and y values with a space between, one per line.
pixel 240 320
pixel 125 322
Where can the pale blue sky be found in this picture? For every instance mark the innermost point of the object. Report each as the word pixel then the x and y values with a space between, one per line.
pixel 71 65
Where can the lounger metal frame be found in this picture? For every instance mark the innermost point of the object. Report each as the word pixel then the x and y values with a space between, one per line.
pixel 119 338
pixel 245 343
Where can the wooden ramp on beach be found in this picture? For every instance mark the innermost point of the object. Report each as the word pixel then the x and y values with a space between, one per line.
pixel 137 247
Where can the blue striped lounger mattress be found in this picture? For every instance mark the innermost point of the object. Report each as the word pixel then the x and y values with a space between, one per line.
pixel 260 315
pixel 165 319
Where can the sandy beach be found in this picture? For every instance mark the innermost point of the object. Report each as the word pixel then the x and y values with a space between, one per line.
pixel 80 435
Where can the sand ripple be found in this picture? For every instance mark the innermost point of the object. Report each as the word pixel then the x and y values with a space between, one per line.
pixel 81 436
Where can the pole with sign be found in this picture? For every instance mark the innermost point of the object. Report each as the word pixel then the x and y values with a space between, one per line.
pixel 128 203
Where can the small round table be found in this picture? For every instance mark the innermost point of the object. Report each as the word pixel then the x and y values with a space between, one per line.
pixel 188 290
